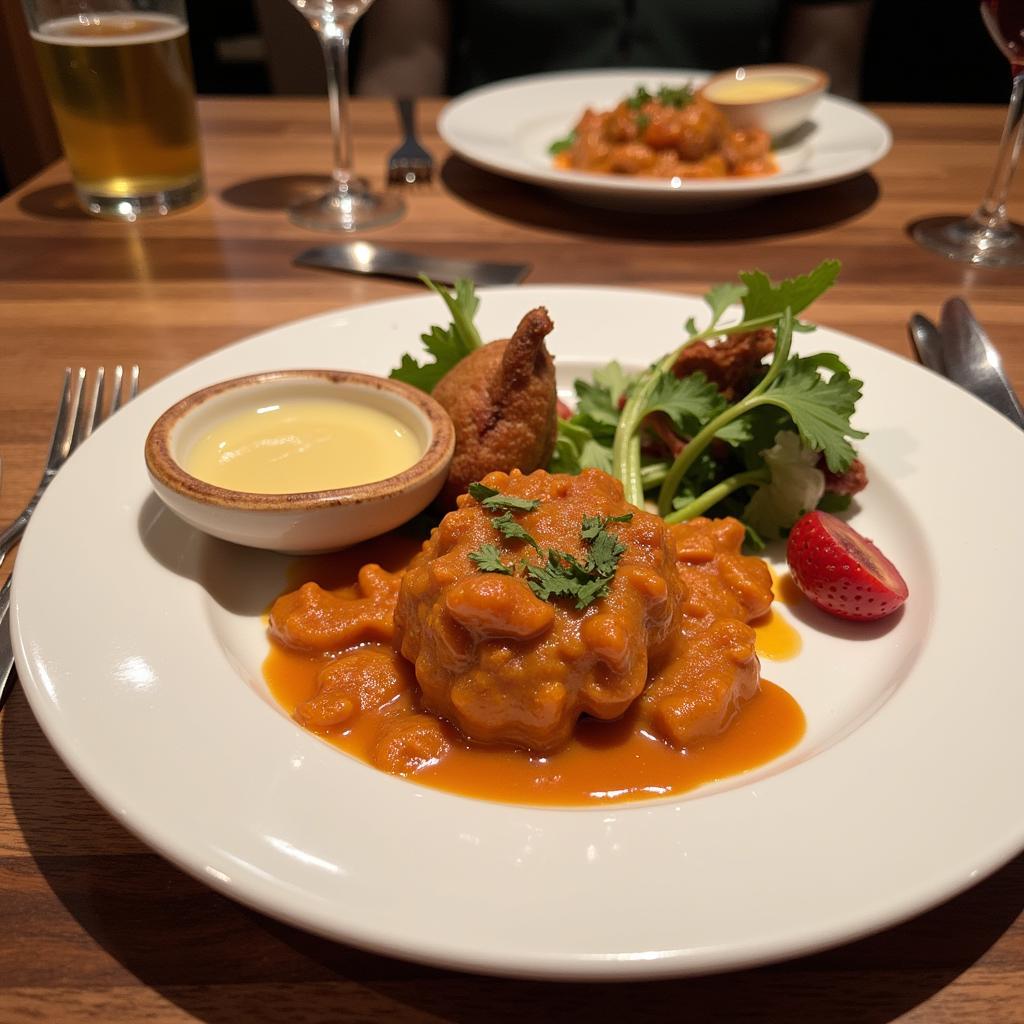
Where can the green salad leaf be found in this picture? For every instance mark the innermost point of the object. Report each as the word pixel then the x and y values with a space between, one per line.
pixel 447 345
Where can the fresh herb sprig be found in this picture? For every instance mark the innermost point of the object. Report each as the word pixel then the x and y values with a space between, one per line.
pixel 492 499
pixel 448 345
pixel 559 574
pixel 764 305
pixel 562 144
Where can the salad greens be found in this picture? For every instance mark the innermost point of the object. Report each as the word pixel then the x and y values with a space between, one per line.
pixel 756 457
pixel 760 456
pixel 447 346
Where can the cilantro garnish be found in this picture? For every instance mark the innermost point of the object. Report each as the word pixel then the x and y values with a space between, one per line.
pixel 678 98
pixel 559 574
pixel 639 98
pixel 642 123
pixel 447 346
pixel 487 558
pixel 508 527
pixel 492 499
pixel 593 526
pixel 561 145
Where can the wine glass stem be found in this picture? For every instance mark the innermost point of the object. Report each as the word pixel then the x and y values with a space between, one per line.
pixel 335 47
pixel 992 212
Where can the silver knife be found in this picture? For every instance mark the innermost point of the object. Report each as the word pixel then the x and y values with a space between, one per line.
pixel 367 258
pixel 972 361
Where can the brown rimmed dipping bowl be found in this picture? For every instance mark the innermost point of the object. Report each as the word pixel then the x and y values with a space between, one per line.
pixel 312 521
pixel 777 116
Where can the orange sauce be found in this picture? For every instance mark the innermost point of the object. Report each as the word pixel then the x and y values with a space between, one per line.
pixel 604 762
pixel 776 637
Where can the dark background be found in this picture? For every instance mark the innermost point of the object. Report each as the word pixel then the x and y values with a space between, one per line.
pixel 922 51
pixel 918 51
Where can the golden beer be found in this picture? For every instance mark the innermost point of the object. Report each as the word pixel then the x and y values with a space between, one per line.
pixel 124 101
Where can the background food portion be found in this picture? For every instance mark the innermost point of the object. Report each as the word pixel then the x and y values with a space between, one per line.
pixel 675 133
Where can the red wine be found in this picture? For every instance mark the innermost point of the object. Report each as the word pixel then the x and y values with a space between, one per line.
pixel 1005 21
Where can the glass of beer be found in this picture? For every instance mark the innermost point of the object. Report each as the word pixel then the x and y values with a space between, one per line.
pixel 119 77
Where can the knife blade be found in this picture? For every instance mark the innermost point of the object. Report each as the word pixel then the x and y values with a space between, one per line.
pixel 973 362
pixel 927 343
pixel 367 258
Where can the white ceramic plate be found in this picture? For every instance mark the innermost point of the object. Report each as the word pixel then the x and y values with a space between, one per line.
pixel 139 646
pixel 507 128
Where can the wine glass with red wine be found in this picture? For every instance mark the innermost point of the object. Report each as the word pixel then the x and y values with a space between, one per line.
pixel 349 205
pixel 988 237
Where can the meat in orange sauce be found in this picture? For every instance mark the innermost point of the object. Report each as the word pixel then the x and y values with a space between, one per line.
pixel 461 678
pixel 688 139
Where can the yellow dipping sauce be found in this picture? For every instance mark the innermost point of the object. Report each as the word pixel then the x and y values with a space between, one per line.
pixel 303 444
pixel 755 89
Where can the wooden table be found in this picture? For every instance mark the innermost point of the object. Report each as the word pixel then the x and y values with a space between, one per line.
pixel 94 926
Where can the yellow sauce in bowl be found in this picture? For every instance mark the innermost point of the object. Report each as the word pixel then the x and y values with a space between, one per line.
pixel 302 444
pixel 755 88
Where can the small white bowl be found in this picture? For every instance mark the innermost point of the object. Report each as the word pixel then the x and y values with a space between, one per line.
pixel 313 521
pixel 775 116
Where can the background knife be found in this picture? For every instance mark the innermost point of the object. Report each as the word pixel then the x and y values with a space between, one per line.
pixel 367 258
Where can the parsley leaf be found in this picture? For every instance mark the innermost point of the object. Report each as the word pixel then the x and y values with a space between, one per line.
pixel 689 401
pixel 576 448
pixel 762 298
pixel 508 527
pixel 561 145
pixel 720 297
pixel 487 558
pixel 642 123
pixel 639 98
pixel 678 98
pixel 593 525
pixel 447 346
pixel 821 411
pixel 492 499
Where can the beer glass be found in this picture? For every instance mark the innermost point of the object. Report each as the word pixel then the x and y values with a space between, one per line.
pixel 119 78
pixel 350 205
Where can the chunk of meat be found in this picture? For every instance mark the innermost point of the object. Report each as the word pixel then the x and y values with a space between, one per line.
pixel 507 667
pixel 733 365
pixel 314 619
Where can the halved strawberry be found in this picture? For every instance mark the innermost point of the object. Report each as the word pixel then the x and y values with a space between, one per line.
pixel 842 572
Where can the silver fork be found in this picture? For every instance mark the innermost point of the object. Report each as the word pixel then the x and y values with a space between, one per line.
pixel 410 164
pixel 78 416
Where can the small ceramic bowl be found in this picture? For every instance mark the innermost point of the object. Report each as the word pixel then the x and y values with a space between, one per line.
pixel 804 86
pixel 312 521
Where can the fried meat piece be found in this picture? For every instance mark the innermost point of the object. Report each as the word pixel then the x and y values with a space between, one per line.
pixel 503 403
pixel 850 482
pixel 733 365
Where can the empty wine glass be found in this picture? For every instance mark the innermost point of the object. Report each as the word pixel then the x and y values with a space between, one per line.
pixel 988 237
pixel 350 205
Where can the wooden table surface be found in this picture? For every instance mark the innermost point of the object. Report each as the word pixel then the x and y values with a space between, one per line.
pixel 94 926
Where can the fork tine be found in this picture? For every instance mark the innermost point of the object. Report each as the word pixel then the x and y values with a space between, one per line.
pixel 60 425
pixel 80 432
pixel 115 389
pixel 133 385
pixel 97 402
pixel 70 419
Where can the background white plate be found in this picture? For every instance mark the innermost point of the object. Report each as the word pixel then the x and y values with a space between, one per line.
pixel 507 128
pixel 139 644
